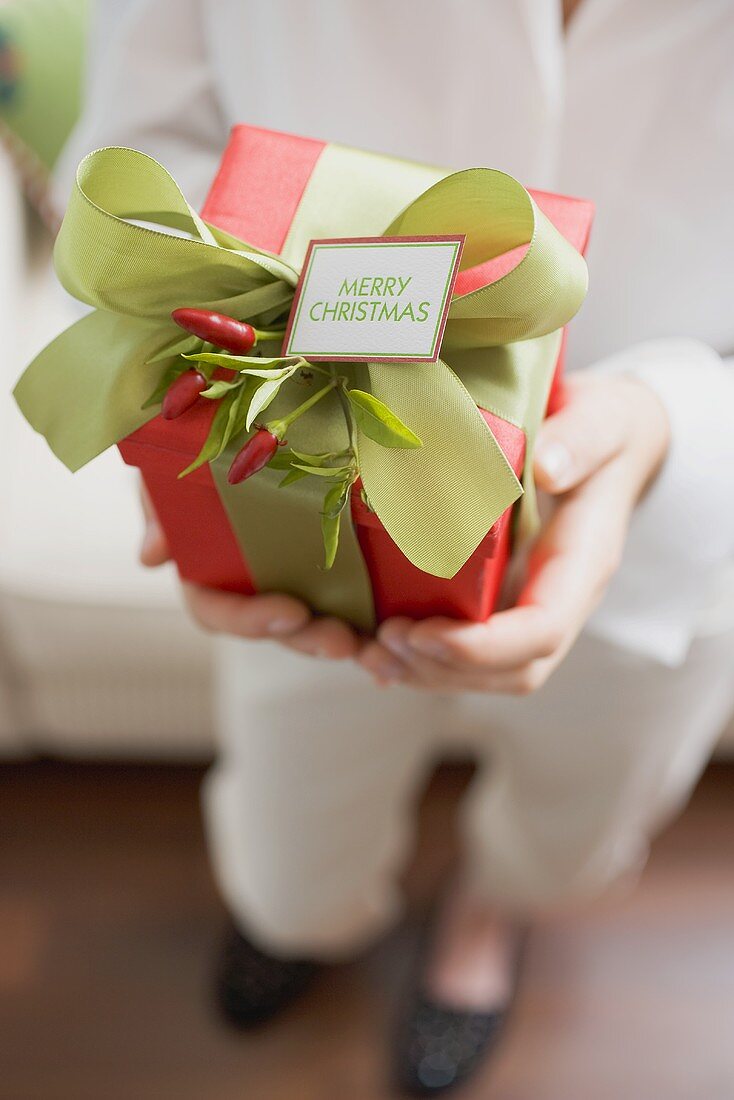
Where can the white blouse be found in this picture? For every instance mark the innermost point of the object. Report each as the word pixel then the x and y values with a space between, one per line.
pixel 633 107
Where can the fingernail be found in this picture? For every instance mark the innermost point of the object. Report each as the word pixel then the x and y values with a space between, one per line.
pixel 399 646
pixel 282 626
pixel 430 647
pixel 556 463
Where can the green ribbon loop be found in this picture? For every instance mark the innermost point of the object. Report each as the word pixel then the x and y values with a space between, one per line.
pixel 105 259
pixel 438 502
pixel 115 252
pixel 496 214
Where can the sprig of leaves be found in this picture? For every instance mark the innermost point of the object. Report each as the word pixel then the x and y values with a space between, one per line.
pixel 249 391
pixel 337 467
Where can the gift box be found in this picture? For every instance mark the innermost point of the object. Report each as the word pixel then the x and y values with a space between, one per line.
pixel 277 192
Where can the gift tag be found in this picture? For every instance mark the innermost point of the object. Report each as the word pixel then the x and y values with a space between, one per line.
pixel 362 299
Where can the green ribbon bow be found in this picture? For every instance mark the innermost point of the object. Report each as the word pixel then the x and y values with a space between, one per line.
pixel 84 392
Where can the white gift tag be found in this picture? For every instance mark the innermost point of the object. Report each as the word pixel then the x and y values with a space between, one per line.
pixel 374 298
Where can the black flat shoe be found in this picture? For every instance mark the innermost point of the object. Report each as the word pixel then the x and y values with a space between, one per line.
pixel 252 987
pixel 440 1048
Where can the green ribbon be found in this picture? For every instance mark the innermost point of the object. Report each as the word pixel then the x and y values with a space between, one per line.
pixel 84 392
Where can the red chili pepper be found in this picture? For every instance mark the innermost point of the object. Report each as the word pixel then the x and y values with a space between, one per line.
pixel 255 454
pixel 236 337
pixel 182 393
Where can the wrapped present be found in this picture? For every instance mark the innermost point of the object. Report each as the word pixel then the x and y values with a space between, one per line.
pixel 408 473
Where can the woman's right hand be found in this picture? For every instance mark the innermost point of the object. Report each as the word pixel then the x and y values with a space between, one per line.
pixel 274 616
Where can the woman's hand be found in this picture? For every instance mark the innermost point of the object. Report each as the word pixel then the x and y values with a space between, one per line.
pixel 278 617
pixel 597 456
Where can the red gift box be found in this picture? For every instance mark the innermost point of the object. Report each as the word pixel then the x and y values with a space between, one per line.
pixel 255 195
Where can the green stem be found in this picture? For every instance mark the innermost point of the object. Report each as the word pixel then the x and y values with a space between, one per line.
pixel 345 407
pixel 281 426
pixel 269 333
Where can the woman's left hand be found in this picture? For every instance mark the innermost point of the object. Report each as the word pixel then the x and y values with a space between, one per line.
pixel 596 456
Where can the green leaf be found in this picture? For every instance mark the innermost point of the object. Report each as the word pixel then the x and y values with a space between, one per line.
pixel 292 476
pixel 219 434
pixel 228 422
pixel 380 423
pixel 324 471
pixel 169 375
pixel 298 470
pixel 266 393
pixel 330 524
pixel 330 534
pixel 245 364
pixel 319 460
pixel 263 396
pixel 271 374
pixel 334 503
pixel 220 387
pixel 177 346
pixel 238 412
pixel 281 460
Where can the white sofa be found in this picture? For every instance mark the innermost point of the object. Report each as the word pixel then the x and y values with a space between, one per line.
pixel 96 655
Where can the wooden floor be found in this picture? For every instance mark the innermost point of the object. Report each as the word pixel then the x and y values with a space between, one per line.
pixel 108 922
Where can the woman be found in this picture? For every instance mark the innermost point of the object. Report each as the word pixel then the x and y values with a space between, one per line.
pixel 593 703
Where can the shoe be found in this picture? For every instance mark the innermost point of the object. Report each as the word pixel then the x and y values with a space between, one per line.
pixel 439 1048
pixel 252 987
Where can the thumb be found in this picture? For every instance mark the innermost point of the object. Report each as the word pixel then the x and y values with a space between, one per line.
pixel 154 549
pixel 579 439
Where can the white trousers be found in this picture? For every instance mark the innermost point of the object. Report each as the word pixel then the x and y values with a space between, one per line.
pixel 310 806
